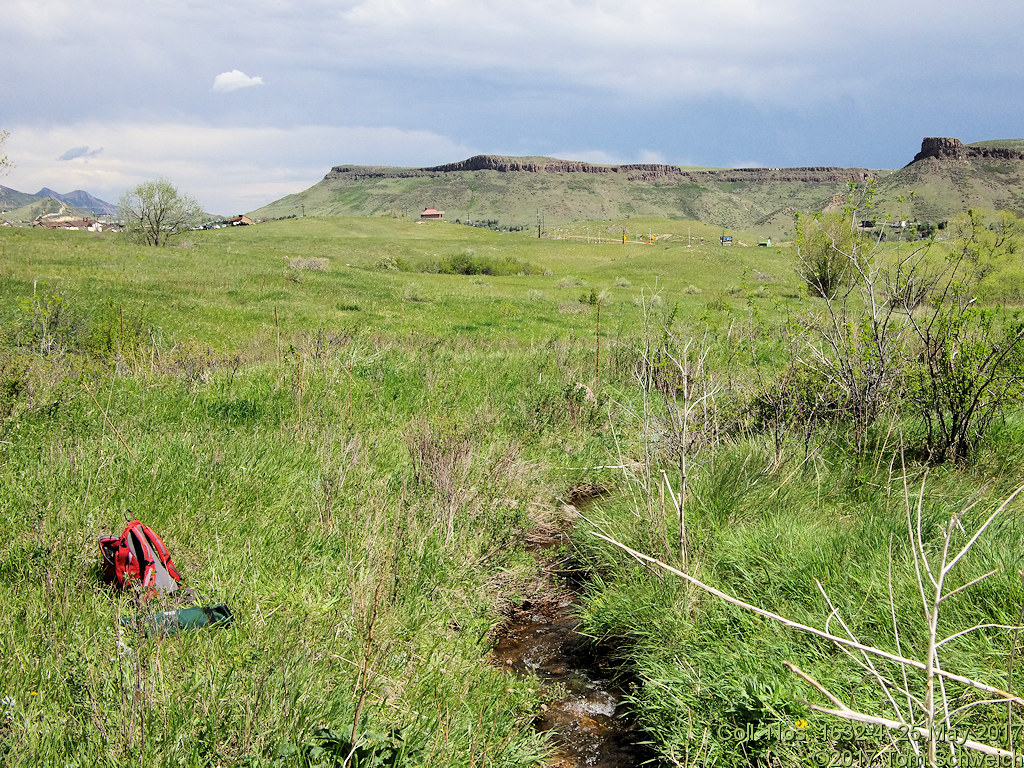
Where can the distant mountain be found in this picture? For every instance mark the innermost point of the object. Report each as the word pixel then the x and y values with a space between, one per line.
pixel 81 199
pixel 946 177
pixel 12 198
pixel 21 206
pixel 45 207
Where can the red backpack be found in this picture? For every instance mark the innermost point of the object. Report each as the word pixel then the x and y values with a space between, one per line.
pixel 140 558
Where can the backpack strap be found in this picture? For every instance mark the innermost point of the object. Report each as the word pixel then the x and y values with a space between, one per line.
pixel 142 556
pixel 130 560
pixel 160 549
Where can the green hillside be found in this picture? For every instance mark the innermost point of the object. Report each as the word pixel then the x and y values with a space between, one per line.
pixel 934 189
pixel 1016 145
pixel 733 199
pixel 42 207
pixel 12 198
pixel 949 177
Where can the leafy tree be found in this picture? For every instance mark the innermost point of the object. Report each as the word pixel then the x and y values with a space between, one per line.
pixel 155 211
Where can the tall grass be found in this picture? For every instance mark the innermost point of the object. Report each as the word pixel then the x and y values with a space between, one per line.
pixel 789 531
pixel 354 473
pixel 289 492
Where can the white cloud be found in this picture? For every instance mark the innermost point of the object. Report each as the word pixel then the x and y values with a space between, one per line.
pixel 679 80
pixel 233 80
pixel 76 153
pixel 666 49
pixel 395 59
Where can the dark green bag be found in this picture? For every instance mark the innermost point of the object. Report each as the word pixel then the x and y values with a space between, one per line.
pixel 170 622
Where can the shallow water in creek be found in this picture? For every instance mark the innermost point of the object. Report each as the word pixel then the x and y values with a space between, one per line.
pixel 588 720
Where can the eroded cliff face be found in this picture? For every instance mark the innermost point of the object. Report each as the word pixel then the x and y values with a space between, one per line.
pixel 945 147
pixel 641 172
pixel 819 174
pixel 931 147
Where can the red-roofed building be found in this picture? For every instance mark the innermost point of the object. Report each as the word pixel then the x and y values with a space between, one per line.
pixel 431 213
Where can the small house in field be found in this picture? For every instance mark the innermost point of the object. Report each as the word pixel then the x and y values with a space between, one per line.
pixel 432 213
pixel 240 221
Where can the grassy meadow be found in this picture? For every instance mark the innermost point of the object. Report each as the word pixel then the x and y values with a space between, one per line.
pixel 344 429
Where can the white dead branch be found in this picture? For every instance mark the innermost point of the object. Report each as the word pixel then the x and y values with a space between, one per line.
pixel 930 716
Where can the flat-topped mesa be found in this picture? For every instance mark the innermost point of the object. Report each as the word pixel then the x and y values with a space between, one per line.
pixel 476 163
pixel 938 146
pixel 632 172
pixel 646 171
pixel 945 147
pixel 816 174
pixel 489 163
pixel 522 165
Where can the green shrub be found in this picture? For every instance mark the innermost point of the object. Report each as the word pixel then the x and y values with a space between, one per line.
pixel 390 263
pixel 827 248
pixel 468 263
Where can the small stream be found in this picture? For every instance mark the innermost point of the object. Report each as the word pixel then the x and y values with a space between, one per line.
pixel 587 716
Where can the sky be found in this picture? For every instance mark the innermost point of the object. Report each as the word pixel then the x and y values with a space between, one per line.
pixel 241 102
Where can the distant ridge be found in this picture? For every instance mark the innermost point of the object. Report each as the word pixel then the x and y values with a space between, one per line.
pixel 80 201
pixel 945 177
pixel 632 172
pixel 942 147
pixel 12 198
